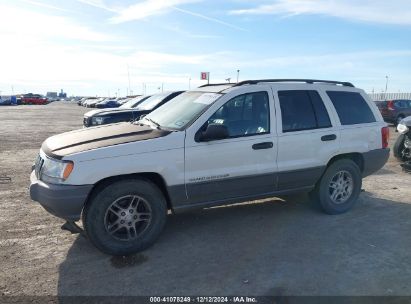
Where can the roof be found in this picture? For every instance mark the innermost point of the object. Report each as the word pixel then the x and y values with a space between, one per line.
pixel 308 81
pixel 214 88
pixel 220 87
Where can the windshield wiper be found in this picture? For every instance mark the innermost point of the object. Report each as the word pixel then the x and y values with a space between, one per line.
pixel 155 123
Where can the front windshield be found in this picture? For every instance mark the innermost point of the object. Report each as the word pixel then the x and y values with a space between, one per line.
pixel 133 102
pixel 183 109
pixel 151 102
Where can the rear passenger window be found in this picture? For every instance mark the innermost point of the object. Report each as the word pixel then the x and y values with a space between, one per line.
pixel 323 120
pixel 302 110
pixel 351 107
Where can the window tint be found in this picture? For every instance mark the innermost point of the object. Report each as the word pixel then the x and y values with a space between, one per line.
pixel 244 115
pixel 302 110
pixel 351 107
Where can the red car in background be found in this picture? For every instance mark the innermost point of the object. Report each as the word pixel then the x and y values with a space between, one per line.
pixel 35 99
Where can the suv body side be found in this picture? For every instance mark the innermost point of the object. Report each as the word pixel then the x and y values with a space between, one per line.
pixel 239 168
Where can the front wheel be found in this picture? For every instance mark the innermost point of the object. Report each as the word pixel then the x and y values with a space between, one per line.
pixel 339 187
pixel 125 217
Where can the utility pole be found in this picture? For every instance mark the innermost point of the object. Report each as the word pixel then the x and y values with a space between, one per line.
pixel 189 83
pixel 238 75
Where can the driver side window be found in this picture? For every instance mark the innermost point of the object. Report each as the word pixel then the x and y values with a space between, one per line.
pixel 244 115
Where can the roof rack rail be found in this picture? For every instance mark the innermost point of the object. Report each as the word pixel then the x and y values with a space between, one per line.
pixel 310 81
pixel 216 84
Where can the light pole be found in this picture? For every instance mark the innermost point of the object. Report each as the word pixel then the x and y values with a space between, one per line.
pixel 238 75
pixel 128 73
pixel 386 84
pixel 189 83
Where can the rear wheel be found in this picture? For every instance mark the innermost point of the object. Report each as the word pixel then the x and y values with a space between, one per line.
pixel 339 187
pixel 125 217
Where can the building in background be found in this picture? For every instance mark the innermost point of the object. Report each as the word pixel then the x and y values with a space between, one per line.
pixel 62 94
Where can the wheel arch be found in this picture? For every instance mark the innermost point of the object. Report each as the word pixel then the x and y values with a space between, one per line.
pixel 356 157
pixel 153 177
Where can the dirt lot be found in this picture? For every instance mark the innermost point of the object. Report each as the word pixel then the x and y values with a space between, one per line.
pixel 270 247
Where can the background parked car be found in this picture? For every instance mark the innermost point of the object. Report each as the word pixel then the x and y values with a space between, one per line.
pixel 103 117
pixel 107 103
pixel 92 101
pixel 123 100
pixel 4 101
pixel 35 99
pixel 394 110
pixel 134 102
pixel 81 100
pixel 402 146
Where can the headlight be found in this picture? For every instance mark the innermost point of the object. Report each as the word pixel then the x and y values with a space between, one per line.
pixel 55 171
pixel 402 129
pixel 97 120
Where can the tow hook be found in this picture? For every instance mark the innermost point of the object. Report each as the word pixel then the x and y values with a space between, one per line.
pixel 72 227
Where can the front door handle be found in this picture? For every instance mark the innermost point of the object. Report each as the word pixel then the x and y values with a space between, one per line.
pixel 329 137
pixel 263 145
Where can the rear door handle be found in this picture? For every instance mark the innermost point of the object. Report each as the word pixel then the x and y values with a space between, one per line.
pixel 263 145
pixel 329 137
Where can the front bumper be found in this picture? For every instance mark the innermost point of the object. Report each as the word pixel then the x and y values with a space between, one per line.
pixel 374 160
pixel 63 201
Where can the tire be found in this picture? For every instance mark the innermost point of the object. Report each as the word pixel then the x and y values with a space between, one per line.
pixel 398 147
pixel 137 230
pixel 323 191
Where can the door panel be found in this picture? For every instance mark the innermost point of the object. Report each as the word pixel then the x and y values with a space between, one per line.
pixel 307 138
pixel 232 168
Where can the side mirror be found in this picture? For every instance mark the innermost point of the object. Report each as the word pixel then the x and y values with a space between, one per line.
pixel 213 132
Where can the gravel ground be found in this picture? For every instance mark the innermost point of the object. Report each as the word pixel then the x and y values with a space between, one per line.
pixel 269 247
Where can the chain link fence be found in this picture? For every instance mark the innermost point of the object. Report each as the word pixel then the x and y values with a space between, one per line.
pixel 389 96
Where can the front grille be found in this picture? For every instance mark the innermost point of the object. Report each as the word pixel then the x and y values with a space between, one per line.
pixel 38 166
pixel 86 121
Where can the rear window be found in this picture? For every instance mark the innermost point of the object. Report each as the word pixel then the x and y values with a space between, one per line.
pixel 351 108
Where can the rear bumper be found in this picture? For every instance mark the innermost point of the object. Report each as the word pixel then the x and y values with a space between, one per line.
pixel 63 201
pixel 374 160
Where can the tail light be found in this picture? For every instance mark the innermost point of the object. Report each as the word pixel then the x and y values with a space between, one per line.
pixel 390 105
pixel 385 137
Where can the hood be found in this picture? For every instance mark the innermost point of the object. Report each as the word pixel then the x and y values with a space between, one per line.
pixel 407 121
pixel 82 140
pixel 103 112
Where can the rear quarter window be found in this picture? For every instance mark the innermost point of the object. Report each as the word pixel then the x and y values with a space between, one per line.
pixel 351 107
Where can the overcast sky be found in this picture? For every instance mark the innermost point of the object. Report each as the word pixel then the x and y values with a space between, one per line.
pixel 89 47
